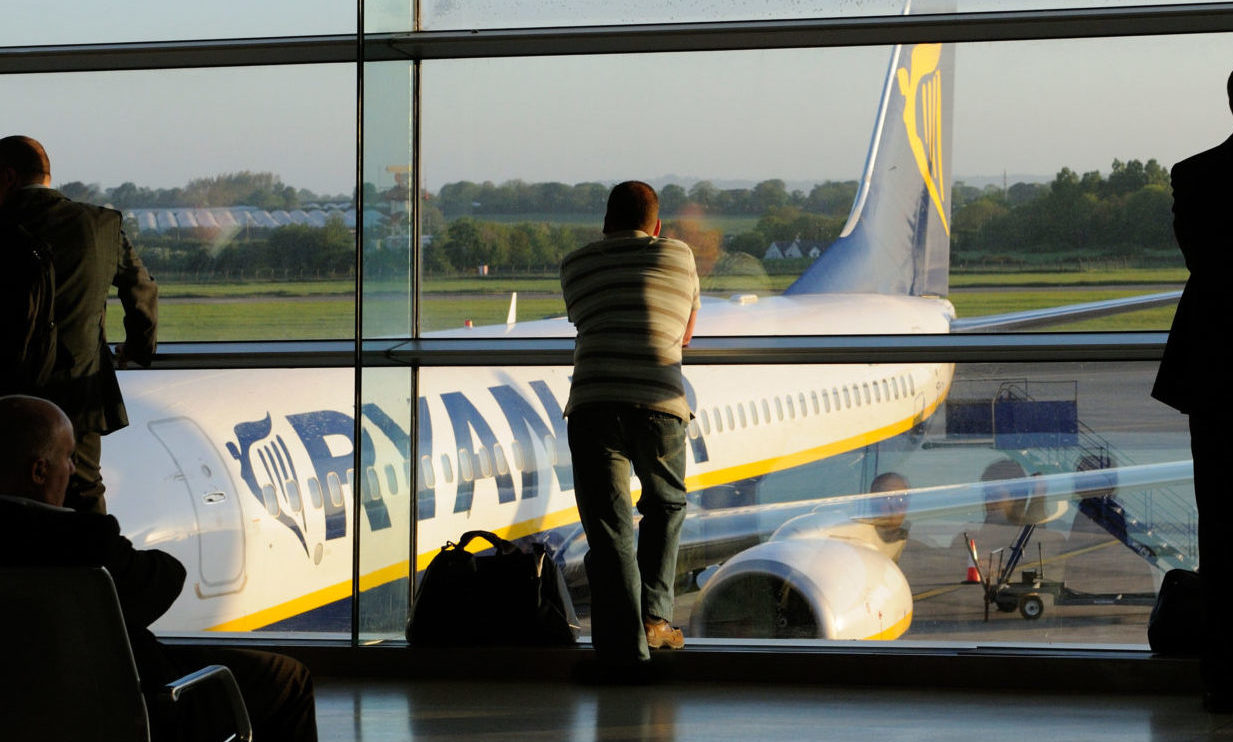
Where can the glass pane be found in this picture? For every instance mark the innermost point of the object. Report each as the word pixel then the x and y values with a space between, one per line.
pixel 243 476
pixel 388 199
pixel 236 186
pixel 385 454
pixel 87 22
pixel 385 503
pixel 388 16
pixel 789 533
pixel 1049 195
pixel 447 14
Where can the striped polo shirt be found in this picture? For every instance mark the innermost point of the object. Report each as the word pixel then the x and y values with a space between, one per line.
pixel 630 296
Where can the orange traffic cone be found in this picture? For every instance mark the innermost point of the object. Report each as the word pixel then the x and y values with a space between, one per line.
pixel 973 576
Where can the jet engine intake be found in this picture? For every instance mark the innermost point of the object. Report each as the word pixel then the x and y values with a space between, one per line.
pixel 805 588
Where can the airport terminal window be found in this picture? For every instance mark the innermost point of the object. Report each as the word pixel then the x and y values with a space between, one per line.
pixel 247 238
pixel 84 22
pixel 1088 224
pixel 1095 584
pixel 441 183
pixel 496 14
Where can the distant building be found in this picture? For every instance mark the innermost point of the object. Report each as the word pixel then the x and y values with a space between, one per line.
pixel 243 217
pixel 797 248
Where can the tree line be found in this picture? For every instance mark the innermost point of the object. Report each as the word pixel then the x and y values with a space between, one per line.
pixel 292 252
pixel 465 198
pixel 263 190
pixel 1127 214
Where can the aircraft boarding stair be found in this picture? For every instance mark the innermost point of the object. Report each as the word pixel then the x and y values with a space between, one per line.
pixel 1046 436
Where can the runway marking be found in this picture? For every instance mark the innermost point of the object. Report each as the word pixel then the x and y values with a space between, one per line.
pixel 1038 563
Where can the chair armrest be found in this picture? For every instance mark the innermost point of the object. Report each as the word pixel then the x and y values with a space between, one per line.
pixel 216 675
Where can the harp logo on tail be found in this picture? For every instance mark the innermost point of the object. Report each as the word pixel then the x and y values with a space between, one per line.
pixel 922 87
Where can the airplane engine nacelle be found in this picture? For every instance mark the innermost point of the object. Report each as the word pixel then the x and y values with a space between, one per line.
pixel 813 588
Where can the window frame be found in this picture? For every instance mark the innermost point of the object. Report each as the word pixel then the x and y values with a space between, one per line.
pixel 414 47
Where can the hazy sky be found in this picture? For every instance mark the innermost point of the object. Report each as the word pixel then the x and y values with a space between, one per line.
pixel 1022 107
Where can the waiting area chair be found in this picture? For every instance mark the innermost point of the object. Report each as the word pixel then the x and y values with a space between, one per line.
pixel 67 669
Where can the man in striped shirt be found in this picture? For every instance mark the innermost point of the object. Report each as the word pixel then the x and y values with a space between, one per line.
pixel 633 297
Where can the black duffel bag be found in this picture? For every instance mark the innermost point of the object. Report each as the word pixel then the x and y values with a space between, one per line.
pixel 511 596
pixel 1176 623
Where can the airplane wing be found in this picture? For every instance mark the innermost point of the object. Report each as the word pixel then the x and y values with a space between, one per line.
pixel 1066 313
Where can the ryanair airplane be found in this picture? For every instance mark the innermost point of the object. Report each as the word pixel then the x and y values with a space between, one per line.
pixel 252 485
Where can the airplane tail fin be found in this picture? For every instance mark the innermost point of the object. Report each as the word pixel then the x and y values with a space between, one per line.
pixel 897 237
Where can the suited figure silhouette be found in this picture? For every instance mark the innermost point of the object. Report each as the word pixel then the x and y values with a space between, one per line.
pixel 1193 380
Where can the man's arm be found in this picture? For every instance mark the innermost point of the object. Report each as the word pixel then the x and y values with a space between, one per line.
pixel 1202 223
pixel 139 296
pixel 689 328
pixel 1184 218
pixel 147 581
pixel 696 288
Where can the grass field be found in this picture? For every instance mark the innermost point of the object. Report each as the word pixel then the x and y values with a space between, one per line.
pixel 324 309
pixel 723 222
pixel 979 303
pixel 1120 276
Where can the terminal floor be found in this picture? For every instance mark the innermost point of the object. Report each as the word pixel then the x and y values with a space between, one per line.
pixel 461 711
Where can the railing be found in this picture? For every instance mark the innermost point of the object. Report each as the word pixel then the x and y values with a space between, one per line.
pixel 717 351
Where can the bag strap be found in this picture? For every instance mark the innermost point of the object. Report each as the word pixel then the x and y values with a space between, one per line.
pixel 505 547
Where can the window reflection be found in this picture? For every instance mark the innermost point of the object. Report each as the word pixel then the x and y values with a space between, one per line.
pixel 789 485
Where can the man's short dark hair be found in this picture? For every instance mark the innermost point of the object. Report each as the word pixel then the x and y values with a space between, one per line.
pixel 26 156
pixel 631 205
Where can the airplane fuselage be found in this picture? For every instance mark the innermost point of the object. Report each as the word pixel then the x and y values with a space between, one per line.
pixel 255 496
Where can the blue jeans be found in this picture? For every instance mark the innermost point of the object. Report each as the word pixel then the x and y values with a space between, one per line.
pixel 628 583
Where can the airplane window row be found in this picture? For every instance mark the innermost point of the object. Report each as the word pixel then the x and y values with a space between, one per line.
pixel 788 406
pixel 484 463
pixel 372 490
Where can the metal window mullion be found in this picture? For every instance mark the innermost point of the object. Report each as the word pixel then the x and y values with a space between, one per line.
pixel 822 32
pixel 674 37
pixel 179 54
pixel 357 461
pixel 1008 347
pixel 416 254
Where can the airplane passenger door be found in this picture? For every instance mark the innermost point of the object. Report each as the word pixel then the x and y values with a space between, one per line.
pixel 216 504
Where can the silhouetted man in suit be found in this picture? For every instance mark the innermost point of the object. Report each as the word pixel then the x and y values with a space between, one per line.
pixel 36 462
pixel 90 254
pixel 1193 381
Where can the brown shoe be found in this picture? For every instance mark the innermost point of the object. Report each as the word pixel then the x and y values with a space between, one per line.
pixel 660 633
